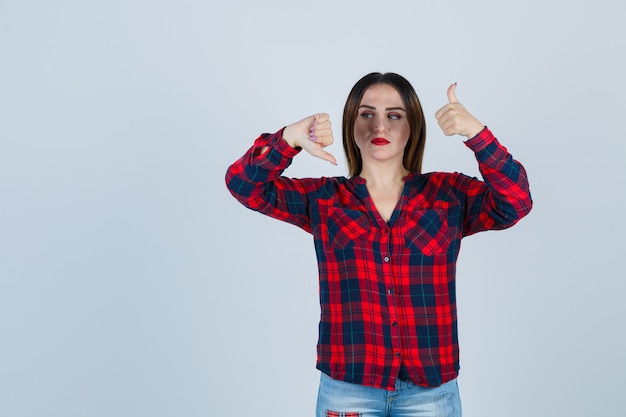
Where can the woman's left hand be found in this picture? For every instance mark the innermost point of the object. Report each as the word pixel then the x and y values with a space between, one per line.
pixel 454 119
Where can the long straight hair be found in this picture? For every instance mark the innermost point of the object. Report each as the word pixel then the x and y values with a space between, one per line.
pixel 414 150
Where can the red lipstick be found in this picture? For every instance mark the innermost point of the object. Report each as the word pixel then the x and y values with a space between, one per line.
pixel 380 141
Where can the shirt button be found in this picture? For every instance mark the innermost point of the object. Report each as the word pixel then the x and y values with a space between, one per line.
pixel 389 291
pixel 397 354
pixel 394 324
pixel 386 259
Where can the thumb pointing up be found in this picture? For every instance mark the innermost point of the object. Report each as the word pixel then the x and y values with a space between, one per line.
pixel 454 119
pixel 451 94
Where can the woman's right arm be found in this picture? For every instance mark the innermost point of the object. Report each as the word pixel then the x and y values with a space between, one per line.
pixel 255 179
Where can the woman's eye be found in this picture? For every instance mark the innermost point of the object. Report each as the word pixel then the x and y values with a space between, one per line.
pixel 394 116
pixel 367 115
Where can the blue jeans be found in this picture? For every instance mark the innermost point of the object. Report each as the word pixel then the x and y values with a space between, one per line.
pixel 343 399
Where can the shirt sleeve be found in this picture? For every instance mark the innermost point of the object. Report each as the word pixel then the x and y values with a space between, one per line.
pixel 255 181
pixel 504 196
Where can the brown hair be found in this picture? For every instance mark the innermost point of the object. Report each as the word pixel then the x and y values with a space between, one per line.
pixel 414 150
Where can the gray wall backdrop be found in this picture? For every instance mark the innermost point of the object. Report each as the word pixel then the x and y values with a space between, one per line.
pixel 132 284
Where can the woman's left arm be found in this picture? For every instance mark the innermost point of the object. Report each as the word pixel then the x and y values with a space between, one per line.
pixel 504 196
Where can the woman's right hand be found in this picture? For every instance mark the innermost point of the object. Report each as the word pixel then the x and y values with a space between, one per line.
pixel 312 134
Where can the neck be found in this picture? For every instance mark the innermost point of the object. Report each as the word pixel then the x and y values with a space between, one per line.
pixel 383 175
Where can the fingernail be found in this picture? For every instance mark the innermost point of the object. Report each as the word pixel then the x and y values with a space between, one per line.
pixel 314 138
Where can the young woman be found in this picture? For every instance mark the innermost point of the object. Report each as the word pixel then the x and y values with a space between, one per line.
pixel 387 239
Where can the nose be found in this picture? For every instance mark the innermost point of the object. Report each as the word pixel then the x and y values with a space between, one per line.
pixel 380 124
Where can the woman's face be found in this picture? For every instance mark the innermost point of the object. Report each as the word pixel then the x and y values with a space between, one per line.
pixel 381 129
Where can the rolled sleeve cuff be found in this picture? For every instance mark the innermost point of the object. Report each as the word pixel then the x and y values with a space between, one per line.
pixel 479 142
pixel 283 147
pixel 268 145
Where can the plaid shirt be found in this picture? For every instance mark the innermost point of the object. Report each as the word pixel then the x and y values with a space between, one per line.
pixel 387 290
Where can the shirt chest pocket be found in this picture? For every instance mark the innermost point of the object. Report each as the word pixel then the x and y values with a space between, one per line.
pixel 428 230
pixel 346 228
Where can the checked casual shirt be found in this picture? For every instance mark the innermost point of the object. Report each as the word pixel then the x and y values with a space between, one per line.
pixel 387 289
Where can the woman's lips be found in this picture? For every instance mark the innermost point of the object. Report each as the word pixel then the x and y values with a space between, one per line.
pixel 380 141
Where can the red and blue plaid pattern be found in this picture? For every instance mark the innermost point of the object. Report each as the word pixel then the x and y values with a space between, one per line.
pixel 387 290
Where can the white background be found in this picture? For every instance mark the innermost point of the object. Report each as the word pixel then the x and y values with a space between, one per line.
pixel 133 284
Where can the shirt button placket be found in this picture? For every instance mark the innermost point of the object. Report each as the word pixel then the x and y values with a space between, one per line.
pixel 397 356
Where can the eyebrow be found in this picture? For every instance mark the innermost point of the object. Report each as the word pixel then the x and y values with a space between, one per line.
pixel 387 108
